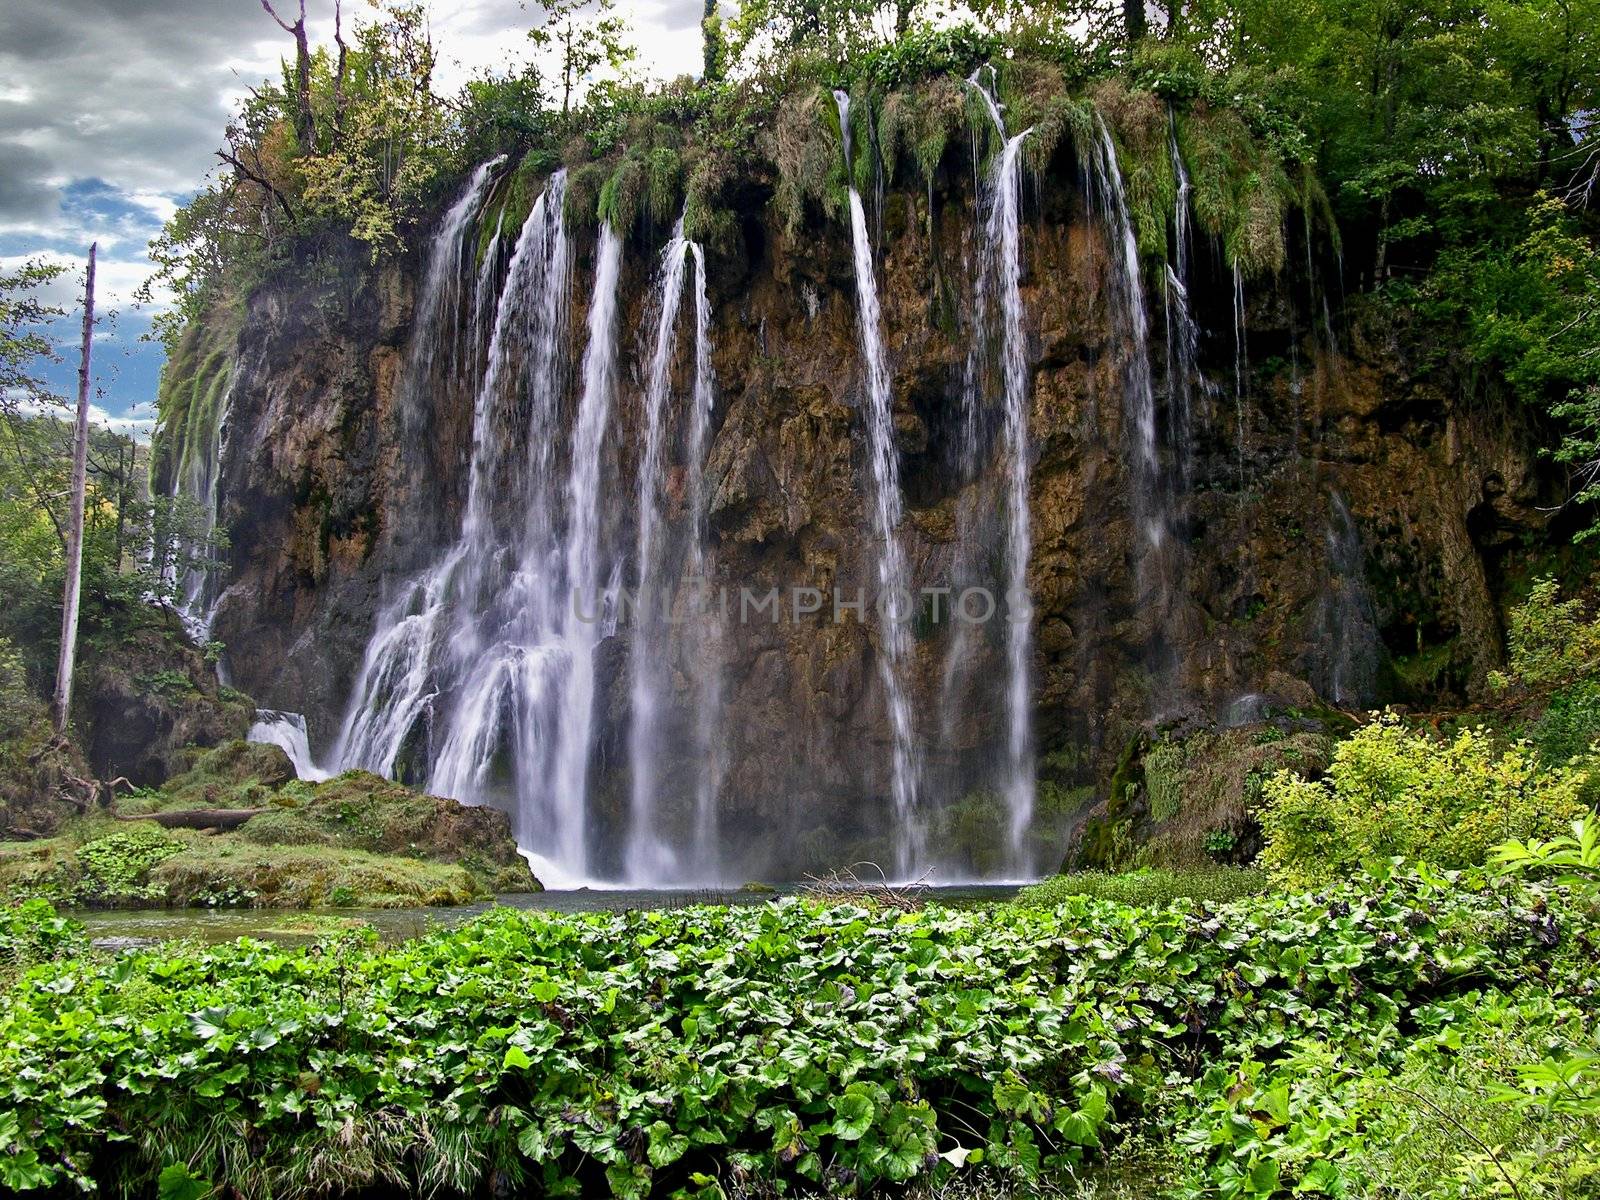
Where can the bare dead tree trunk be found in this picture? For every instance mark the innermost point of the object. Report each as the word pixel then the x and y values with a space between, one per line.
pixel 80 481
pixel 305 125
pixel 339 70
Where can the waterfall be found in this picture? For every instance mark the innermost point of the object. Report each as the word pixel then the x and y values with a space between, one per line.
pixel 1001 273
pixel 893 593
pixel 583 617
pixel 648 857
pixel 1240 370
pixel 392 705
pixel 1346 619
pixel 1183 331
pixel 707 623
pixel 1152 498
pixel 287 731
pixel 479 676
pixel 192 569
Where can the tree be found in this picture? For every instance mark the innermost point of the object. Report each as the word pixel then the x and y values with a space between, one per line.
pixel 584 34
pixel 80 479
pixel 23 342
pixel 712 46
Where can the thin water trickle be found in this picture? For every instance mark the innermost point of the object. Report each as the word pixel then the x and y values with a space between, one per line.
pixel 704 651
pixel 1348 622
pixel 1152 496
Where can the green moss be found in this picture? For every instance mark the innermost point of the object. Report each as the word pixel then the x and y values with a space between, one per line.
pixel 228 870
pixel 356 840
pixel 1242 190
pixel 917 124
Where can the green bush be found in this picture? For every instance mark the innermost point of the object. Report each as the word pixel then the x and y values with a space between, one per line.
pixel 1394 791
pixel 31 932
pixel 1570 723
pixel 1163 780
pixel 1550 642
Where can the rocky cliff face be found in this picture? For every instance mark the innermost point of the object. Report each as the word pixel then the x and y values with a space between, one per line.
pixel 1339 526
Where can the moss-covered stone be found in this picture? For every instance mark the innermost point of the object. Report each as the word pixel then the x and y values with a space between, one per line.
pixel 1180 802
pixel 357 840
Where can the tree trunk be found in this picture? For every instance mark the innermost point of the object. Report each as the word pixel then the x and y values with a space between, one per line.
pixel 80 480
pixel 305 123
pixel 1133 20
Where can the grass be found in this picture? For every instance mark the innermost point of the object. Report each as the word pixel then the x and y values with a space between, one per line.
pixel 1149 888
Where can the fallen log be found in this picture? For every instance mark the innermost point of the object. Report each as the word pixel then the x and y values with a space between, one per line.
pixel 195 818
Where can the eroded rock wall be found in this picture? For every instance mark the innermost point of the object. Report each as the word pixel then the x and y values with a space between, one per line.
pixel 330 495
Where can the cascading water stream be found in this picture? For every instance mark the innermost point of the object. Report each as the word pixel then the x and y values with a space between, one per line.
pixel 893 593
pixel 484 666
pixel 1002 272
pixel 287 731
pixel 195 578
pixel 707 621
pixel 400 678
pixel 648 857
pixel 586 616
pixel 1348 621
pixel 497 673
pixel 1183 331
pixel 1151 500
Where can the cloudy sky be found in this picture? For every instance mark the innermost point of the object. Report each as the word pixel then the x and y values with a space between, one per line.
pixel 110 111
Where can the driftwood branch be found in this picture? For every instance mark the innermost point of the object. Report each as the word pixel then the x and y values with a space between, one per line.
pixel 848 887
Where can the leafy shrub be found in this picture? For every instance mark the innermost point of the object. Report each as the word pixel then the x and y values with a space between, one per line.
pixel 1393 791
pixel 1570 723
pixel 1163 780
pixel 18 707
pixel 1549 640
pixel 31 932
pixel 116 868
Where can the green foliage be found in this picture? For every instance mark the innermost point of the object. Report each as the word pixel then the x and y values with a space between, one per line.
pixel 818 1047
pixel 24 340
pixel 1393 791
pixel 1576 858
pixel 1163 779
pixel 809 157
pixel 116 869
pixel 918 123
pixel 31 932
pixel 1550 641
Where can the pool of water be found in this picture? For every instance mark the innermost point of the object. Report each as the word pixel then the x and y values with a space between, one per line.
pixel 113 928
